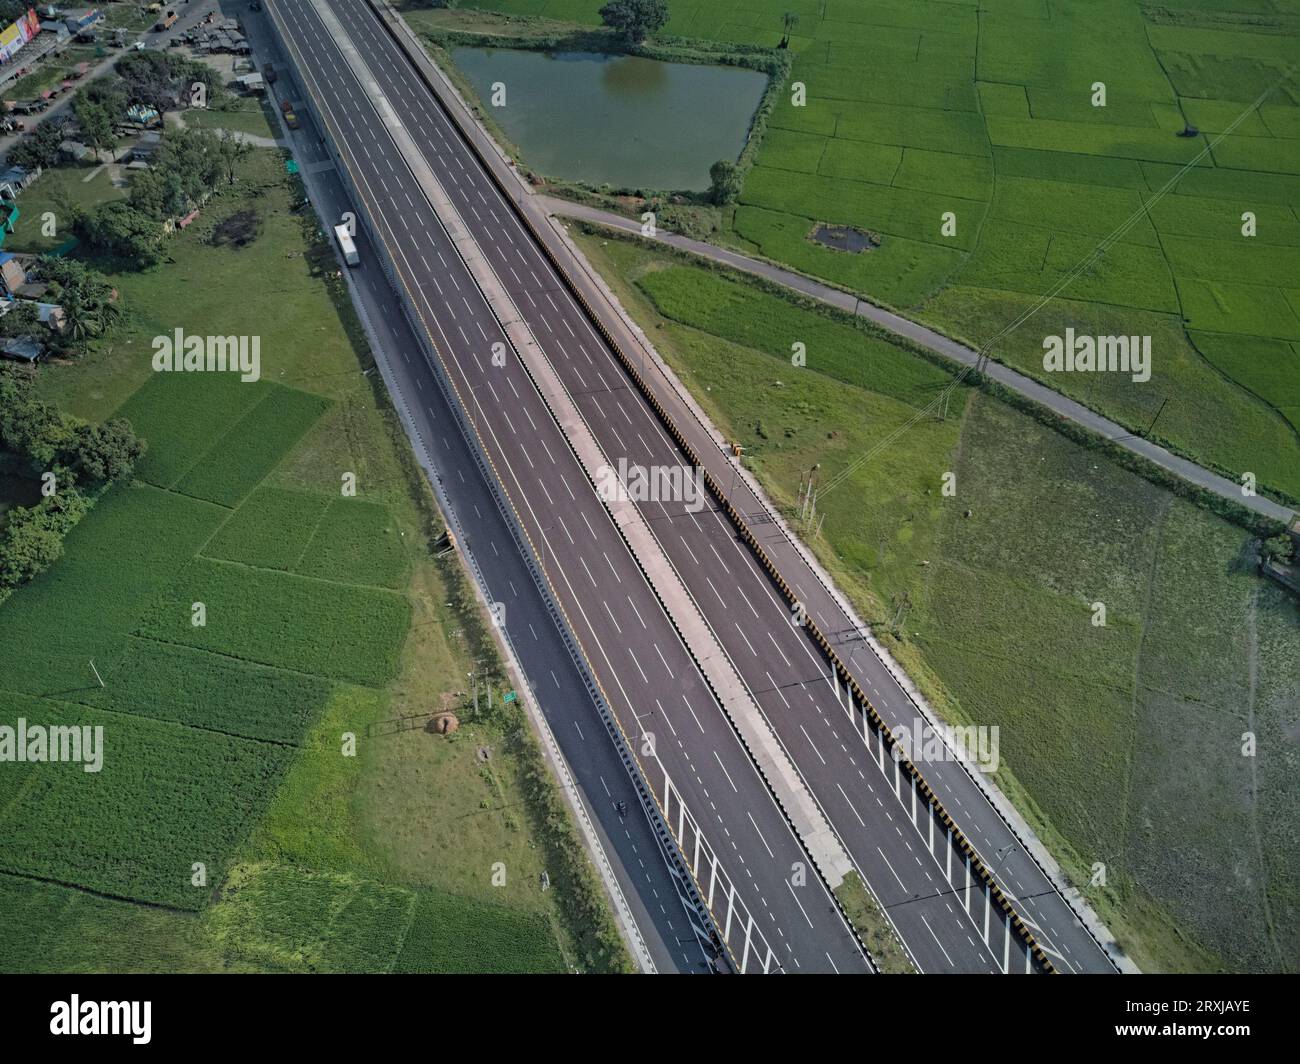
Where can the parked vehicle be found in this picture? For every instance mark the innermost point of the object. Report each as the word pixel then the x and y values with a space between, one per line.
pixel 291 120
pixel 268 72
pixel 165 23
pixel 347 245
pixel 286 106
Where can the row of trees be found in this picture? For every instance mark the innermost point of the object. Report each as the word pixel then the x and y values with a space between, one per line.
pixel 635 20
pixel 47 440
pixel 188 166
pixel 39 149
pixel 80 456
pixel 149 78
pixel 638 19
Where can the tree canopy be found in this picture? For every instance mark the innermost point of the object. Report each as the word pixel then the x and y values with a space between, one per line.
pixel 90 303
pixel 48 439
pixel 635 19
pixel 38 149
pixel 725 182
pixel 119 230
pixel 75 451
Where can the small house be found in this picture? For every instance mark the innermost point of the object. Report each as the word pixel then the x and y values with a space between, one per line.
pixel 77 21
pixel 52 316
pixel 141 115
pixel 18 177
pixel 12 274
pixel 74 151
pixel 144 149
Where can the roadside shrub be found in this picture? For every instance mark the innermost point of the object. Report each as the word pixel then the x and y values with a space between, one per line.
pixel 32 537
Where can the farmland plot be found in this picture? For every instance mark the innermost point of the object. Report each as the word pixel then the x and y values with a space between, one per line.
pixel 252 447
pixel 259 616
pixel 356 542
pixel 166 798
pixel 215 752
pixel 270 530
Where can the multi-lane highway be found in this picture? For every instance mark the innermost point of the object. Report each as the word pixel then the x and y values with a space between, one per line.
pixel 651 891
pixel 741 849
pixel 405 155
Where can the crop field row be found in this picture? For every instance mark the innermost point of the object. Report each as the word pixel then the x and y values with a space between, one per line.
pixel 166 798
pixel 449 935
pixel 745 316
pixel 970 139
pixel 121 556
pixel 286 621
pixel 274 918
pixel 182 414
pixel 211 691
pixel 214 436
pixel 915 216
pixel 280 918
pixel 911 270
pixel 200 720
pixel 251 447
pixel 343 539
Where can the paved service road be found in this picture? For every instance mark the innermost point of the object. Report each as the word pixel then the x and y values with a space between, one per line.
pixel 770 918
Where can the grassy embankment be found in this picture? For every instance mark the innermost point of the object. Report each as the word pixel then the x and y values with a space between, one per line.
pixel 330 625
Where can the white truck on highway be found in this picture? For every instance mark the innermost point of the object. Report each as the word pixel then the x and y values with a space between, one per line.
pixel 347 245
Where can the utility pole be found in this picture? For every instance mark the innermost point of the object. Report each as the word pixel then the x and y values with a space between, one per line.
pixel 1163 403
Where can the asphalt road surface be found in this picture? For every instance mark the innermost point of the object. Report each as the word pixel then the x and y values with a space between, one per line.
pixel 629 840
pixel 771 919
pixel 923 884
pixel 944 919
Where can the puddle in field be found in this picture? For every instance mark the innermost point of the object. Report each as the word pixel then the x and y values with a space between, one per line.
pixel 844 238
